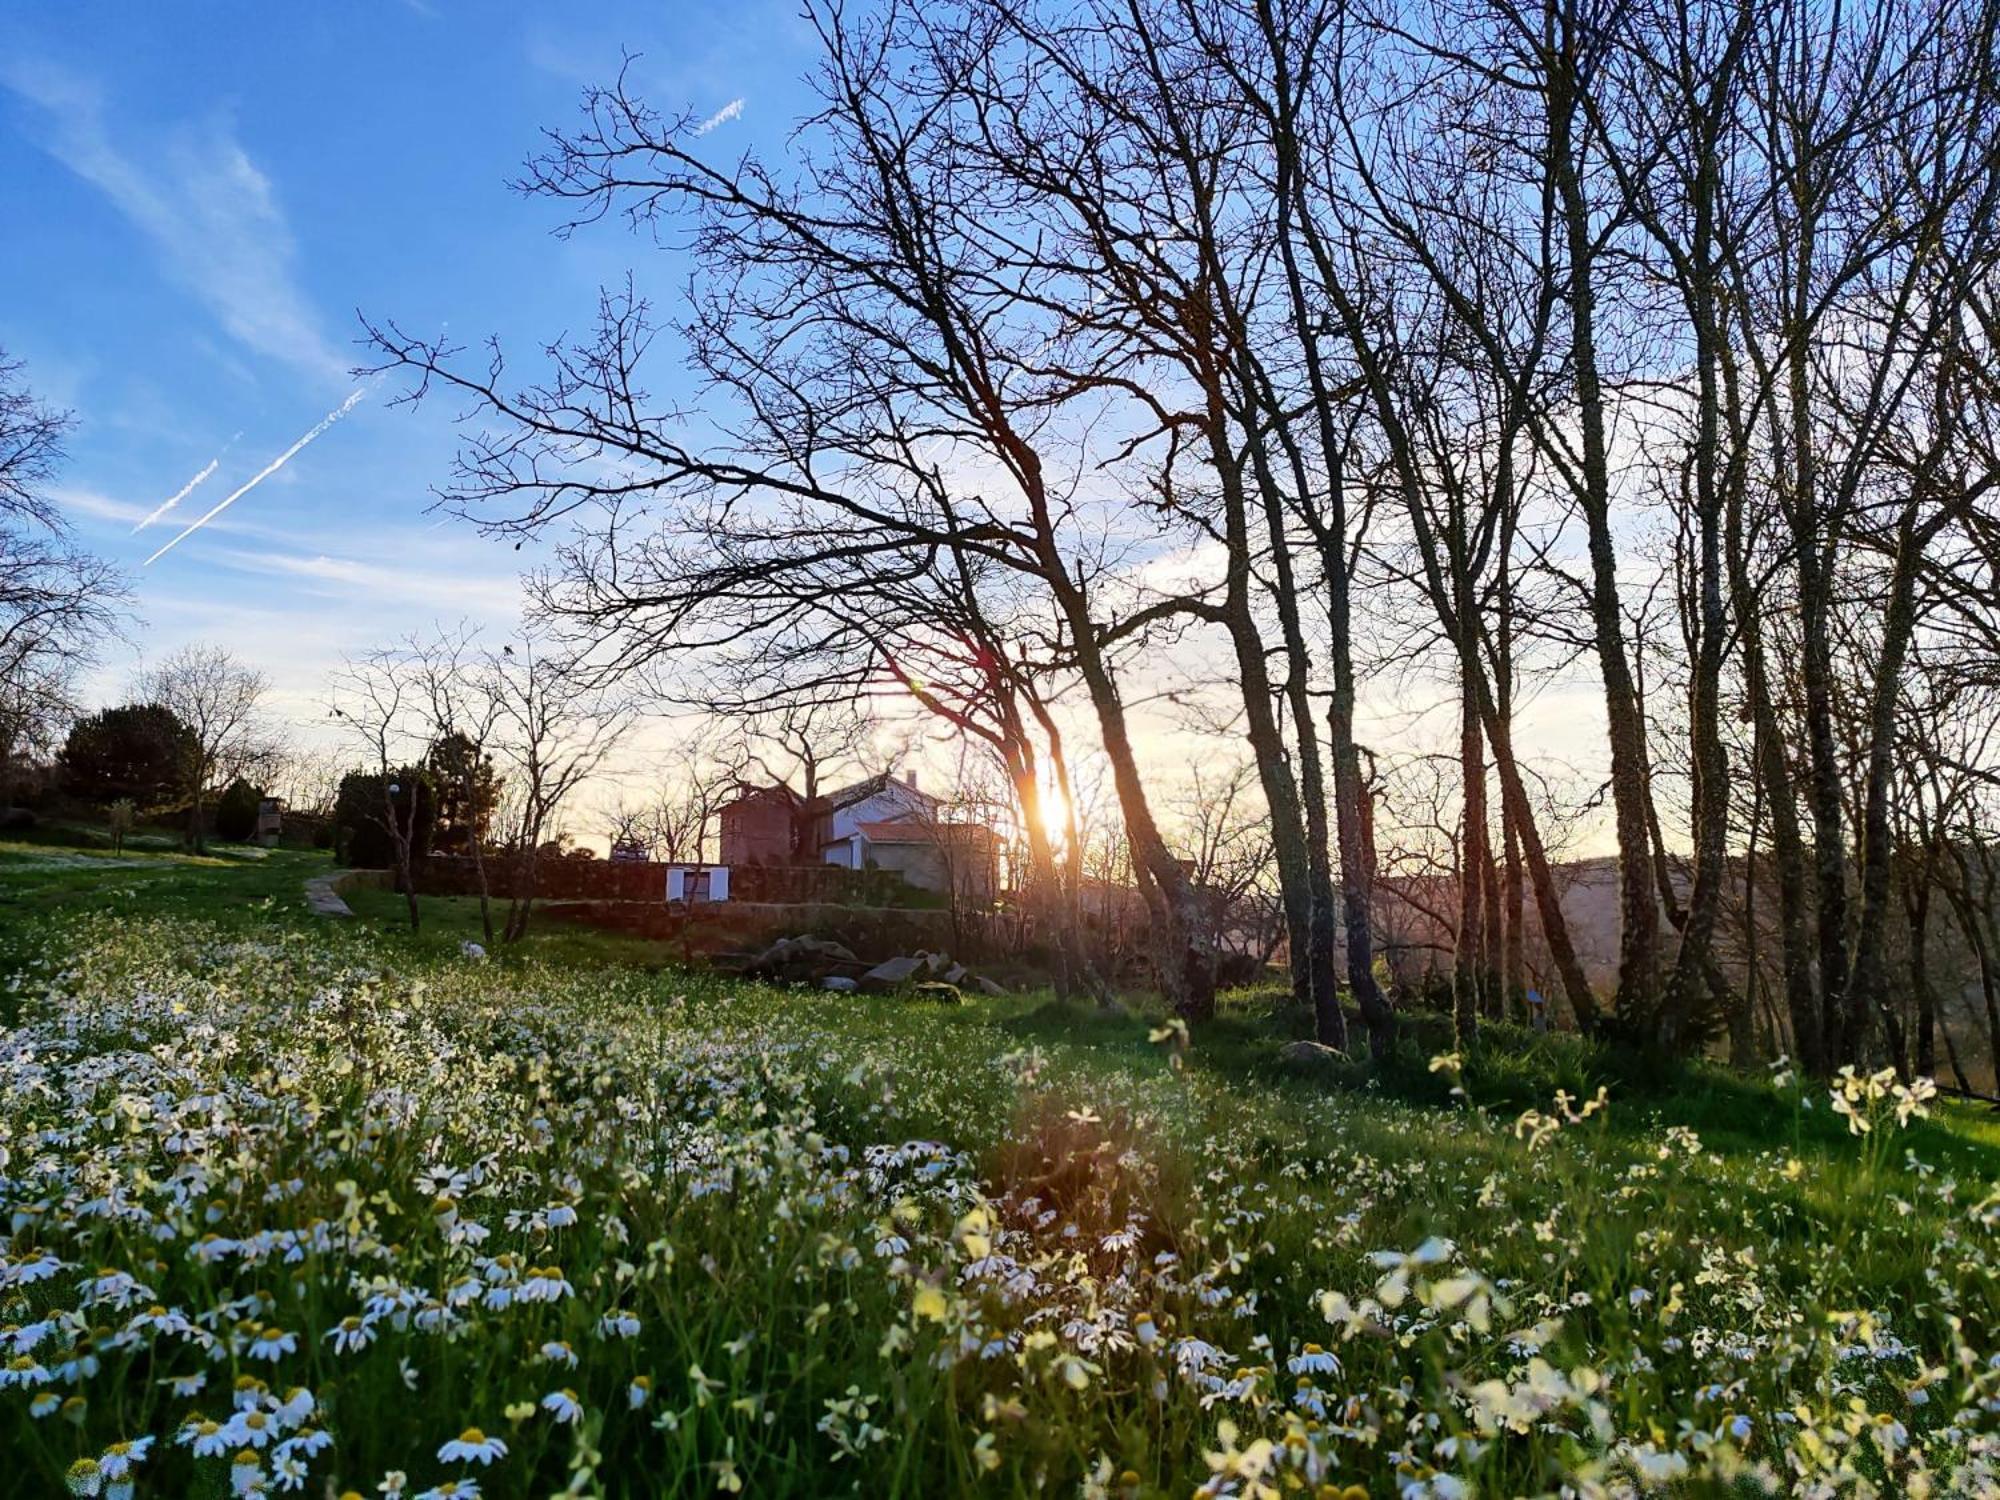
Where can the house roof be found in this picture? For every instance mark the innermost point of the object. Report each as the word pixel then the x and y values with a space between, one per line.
pixel 861 791
pixel 833 801
pixel 917 831
pixel 753 794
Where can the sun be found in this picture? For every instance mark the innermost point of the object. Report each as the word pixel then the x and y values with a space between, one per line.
pixel 1054 814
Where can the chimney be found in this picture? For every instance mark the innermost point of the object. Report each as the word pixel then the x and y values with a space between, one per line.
pixel 910 780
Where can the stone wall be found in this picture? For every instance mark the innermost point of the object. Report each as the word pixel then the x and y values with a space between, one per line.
pixel 644 880
pixel 872 932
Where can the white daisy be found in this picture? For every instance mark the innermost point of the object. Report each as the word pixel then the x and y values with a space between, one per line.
pixel 472 1446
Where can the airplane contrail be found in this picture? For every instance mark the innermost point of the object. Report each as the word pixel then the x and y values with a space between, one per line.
pixel 722 116
pixel 261 475
pixel 175 499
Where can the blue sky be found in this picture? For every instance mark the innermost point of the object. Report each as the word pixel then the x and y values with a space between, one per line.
pixel 203 195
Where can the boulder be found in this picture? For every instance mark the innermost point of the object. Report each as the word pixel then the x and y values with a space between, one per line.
pixel 798 958
pixel 986 986
pixel 840 983
pixel 956 974
pixel 891 974
pixel 1309 1057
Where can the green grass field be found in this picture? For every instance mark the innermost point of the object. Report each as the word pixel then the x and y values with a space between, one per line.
pixel 291 1204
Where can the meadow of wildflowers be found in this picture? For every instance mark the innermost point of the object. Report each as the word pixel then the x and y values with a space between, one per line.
pixel 294 1213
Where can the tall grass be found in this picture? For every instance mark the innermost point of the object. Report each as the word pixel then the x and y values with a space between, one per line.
pixel 312 1212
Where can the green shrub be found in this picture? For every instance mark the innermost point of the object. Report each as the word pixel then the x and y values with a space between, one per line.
pixel 236 811
pixel 136 750
pixel 361 835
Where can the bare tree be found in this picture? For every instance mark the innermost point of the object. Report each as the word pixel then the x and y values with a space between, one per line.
pixel 555 724
pixel 805 743
pixel 378 699
pixel 56 601
pixel 872 354
pixel 694 777
pixel 1469 344
pixel 217 698
pixel 308 778
pixel 1227 836
pixel 461 716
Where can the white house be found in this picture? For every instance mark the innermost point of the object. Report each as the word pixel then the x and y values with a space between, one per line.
pixel 840 834
pixel 882 823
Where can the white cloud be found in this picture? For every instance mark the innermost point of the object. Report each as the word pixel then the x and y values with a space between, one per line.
pixel 425 594
pixel 96 507
pixel 204 204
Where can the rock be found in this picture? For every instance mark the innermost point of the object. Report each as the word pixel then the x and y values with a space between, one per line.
pixel 769 958
pixel 891 974
pixel 956 974
pixel 798 958
pixel 935 963
pixel 839 982
pixel 937 993
pixel 1307 1056
pixel 986 986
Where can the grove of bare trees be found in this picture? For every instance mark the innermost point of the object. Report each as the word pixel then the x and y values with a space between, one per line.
pixel 506 734
pixel 1643 344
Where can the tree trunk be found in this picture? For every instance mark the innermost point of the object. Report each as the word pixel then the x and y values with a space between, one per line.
pixel 1070 877
pixel 521 896
pixel 1513 918
pixel 1639 913
pixel 485 894
pixel 1548 901
pixel 1330 532
pixel 1989 981
pixel 1315 960
pixel 1513 940
pixel 1774 778
pixel 402 836
pixel 1184 948
pixel 1470 951
pixel 1742 1013
pixel 1973 906
pixel 1710 759
pixel 1869 981
pixel 1492 991
pixel 1824 790
pixel 1274 773
pixel 1917 907
pixel 1044 890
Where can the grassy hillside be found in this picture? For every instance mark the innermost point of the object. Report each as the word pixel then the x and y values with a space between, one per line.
pixel 295 1204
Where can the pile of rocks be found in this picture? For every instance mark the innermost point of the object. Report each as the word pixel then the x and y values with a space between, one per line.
pixel 803 960
pixel 926 973
pixel 833 966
